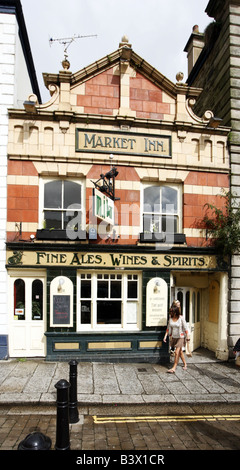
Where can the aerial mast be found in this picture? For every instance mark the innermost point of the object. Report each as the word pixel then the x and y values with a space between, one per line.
pixel 67 42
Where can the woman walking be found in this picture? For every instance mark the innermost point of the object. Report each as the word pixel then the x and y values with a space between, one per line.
pixel 176 303
pixel 177 330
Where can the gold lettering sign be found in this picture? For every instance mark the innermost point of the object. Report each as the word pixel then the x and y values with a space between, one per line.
pixel 110 260
pixel 123 143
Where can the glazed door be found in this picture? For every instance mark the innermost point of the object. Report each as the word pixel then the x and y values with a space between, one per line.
pixel 195 320
pixel 27 317
pixel 190 300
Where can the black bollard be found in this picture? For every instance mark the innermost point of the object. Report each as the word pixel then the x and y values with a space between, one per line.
pixel 73 408
pixel 62 429
pixel 35 441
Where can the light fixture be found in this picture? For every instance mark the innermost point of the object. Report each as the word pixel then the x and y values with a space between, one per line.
pixel 30 107
pixel 214 122
pixel 156 288
pixel 60 285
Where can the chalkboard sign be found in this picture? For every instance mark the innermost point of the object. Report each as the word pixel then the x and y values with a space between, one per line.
pixel 61 309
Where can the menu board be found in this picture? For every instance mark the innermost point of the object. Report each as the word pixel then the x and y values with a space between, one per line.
pixel 61 310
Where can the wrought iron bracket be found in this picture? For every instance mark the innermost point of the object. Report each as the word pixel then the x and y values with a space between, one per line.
pixel 106 183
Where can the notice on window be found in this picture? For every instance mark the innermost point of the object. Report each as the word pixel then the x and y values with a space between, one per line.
pixel 157 301
pixel 61 309
pixel 19 311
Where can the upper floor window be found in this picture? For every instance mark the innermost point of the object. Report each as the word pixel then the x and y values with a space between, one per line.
pixel 63 204
pixel 161 209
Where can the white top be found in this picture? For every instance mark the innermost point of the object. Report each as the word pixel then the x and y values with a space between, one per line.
pixel 177 329
pixel 175 325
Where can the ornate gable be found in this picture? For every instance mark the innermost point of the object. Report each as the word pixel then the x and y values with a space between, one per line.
pixel 121 84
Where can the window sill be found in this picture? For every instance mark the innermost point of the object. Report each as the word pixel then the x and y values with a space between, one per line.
pixel 58 234
pixel 108 329
pixel 176 238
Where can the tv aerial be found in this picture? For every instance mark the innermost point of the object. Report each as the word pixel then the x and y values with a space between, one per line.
pixel 68 41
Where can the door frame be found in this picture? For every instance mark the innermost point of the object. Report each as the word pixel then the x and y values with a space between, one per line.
pixel 193 327
pixel 28 329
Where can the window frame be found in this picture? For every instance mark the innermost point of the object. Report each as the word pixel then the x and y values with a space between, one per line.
pixel 81 210
pixel 178 214
pixel 28 278
pixel 125 324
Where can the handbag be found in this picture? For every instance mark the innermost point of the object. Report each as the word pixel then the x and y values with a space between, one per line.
pixel 188 350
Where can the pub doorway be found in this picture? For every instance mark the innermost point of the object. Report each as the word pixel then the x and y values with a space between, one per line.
pixel 190 300
pixel 27 315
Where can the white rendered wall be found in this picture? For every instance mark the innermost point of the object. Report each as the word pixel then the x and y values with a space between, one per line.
pixel 7 79
pixel 14 89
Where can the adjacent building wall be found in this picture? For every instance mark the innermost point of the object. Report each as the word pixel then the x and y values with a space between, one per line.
pixel 217 72
pixel 17 81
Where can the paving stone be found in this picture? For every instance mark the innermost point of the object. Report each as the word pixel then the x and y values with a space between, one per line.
pixel 165 398
pixel 128 380
pixel 152 384
pixel 105 380
pixel 126 399
pixel 200 398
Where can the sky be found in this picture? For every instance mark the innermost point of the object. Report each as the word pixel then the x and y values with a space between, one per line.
pixel 158 31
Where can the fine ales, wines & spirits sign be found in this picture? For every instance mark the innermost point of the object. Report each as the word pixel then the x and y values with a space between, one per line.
pixel 112 260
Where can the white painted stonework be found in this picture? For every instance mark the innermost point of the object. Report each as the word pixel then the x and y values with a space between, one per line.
pixel 15 86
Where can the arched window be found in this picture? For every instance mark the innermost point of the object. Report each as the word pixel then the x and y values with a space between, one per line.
pixel 198 306
pixel 193 307
pixel 181 300
pixel 19 299
pixel 160 209
pixel 187 313
pixel 62 203
pixel 37 300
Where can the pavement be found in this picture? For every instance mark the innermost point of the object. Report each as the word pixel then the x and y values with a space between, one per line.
pixel 206 381
pixel 124 407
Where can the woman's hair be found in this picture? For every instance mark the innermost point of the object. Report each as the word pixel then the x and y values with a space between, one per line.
pixel 174 311
pixel 174 304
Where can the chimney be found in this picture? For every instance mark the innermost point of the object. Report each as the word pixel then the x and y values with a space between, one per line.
pixel 194 47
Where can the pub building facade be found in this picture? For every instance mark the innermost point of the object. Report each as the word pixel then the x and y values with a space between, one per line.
pixel 107 183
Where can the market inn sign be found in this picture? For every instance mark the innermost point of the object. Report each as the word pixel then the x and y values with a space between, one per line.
pixel 123 143
pixel 110 260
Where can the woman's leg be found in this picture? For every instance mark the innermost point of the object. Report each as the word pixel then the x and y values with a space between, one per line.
pixel 183 359
pixel 176 359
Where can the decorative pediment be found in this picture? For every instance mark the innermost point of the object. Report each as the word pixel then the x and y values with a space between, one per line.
pixel 123 84
pixel 119 89
pixel 124 55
